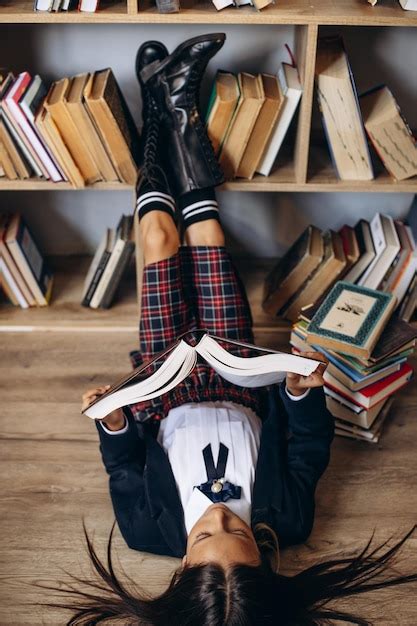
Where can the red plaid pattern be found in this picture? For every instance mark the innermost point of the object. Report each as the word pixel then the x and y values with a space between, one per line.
pixel 196 288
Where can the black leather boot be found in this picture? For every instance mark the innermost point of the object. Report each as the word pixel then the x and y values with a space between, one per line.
pixel 151 168
pixel 175 86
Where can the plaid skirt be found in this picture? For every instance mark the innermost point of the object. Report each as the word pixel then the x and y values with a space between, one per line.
pixel 197 288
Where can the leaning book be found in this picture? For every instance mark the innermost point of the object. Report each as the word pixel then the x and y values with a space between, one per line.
pixel 176 362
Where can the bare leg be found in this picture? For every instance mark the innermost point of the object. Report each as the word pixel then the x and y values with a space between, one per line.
pixel 159 235
pixel 205 233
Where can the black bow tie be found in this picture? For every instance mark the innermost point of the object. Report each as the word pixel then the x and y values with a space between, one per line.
pixel 217 489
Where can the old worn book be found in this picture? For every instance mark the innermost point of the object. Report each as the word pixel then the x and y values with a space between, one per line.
pixel 29 260
pixel 291 271
pixel 350 246
pixel 117 256
pixel 326 273
pixel 27 297
pixel 366 251
pixel 372 434
pixel 387 246
pixel 375 393
pixel 53 138
pixel 244 118
pixel 389 133
pixel 401 260
pixel 6 163
pixel 291 89
pixel 97 266
pixel 81 117
pixel 340 110
pixel 409 303
pixel 114 122
pixel 405 276
pixel 351 319
pixel 264 126
pixel 20 165
pixel 56 105
pixel 223 100
pixel 175 363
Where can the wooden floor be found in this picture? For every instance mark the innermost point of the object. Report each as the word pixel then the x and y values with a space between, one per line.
pixel 51 478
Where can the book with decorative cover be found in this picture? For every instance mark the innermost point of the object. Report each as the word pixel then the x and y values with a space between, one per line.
pixel 351 319
pixel 175 363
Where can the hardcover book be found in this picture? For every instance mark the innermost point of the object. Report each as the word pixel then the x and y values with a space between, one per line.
pixel 241 126
pixel 223 101
pixel 351 319
pixel 389 132
pixel 175 363
pixel 366 251
pixel 291 271
pixel 339 106
pixel 326 273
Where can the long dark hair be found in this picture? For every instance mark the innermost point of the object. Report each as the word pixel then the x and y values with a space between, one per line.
pixel 207 595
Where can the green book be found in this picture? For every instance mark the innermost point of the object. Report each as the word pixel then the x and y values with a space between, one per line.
pixel 351 319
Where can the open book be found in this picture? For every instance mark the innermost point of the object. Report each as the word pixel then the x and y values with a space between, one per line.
pixel 180 358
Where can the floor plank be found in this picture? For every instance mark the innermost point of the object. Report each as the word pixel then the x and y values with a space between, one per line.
pixel 51 478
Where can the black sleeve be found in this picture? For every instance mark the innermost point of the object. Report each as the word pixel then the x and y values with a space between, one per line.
pixel 310 430
pixel 124 459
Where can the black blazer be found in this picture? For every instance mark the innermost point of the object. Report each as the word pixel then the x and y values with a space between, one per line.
pixel 293 454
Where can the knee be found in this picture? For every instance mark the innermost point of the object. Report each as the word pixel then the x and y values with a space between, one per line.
pixel 160 241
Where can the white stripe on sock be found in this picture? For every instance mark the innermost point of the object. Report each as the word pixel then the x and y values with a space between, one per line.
pixel 196 205
pixel 203 210
pixel 142 203
pixel 161 194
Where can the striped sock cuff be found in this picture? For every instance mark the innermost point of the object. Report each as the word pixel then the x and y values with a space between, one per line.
pixel 155 201
pixel 199 205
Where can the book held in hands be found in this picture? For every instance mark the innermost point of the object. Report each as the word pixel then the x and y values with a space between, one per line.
pixel 178 361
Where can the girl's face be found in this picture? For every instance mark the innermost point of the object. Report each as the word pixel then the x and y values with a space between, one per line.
pixel 223 538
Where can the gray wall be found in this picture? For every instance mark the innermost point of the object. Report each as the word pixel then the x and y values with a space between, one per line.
pixel 260 224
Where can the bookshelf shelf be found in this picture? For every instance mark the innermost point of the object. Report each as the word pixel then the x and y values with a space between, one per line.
pixel 282 180
pixel 342 12
pixel 65 313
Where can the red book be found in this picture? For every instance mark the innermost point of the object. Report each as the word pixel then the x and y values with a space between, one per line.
pixel 372 394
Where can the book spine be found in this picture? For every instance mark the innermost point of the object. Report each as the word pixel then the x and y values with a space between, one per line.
pixel 107 274
pixel 20 140
pixel 109 294
pixel 8 278
pixel 94 282
pixel 34 140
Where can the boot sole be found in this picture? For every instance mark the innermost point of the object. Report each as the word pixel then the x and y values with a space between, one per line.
pixel 153 68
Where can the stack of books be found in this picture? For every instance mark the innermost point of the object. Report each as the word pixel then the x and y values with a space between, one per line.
pixel 79 130
pixel 380 254
pixel 367 349
pixel 25 277
pixel 108 265
pixel 90 6
pixel 248 117
pixel 346 118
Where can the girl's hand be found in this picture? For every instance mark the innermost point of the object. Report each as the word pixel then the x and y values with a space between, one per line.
pixel 297 385
pixel 114 420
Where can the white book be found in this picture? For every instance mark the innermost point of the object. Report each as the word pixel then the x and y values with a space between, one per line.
pixel 291 90
pixel 106 277
pixel 409 5
pixel 31 132
pixel 181 358
pixel 387 245
pixel 8 277
pixel 222 4
pixel 43 5
pixel 89 6
pixel 241 3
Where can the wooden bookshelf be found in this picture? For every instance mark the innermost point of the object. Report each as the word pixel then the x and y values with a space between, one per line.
pixel 333 12
pixel 65 313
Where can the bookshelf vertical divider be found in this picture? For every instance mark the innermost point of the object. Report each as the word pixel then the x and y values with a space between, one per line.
pixel 132 7
pixel 306 46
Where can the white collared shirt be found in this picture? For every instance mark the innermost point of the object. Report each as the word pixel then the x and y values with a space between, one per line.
pixel 188 429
